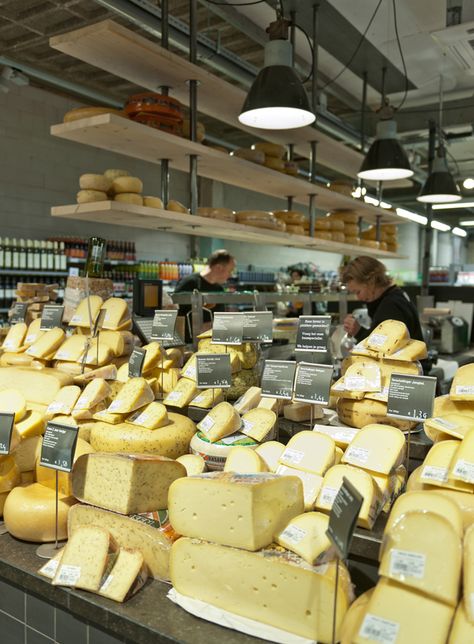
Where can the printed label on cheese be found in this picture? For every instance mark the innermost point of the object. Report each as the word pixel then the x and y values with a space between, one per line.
pixel 9 343
pixel 361 348
pixel 49 568
pixel 69 575
pixel 328 494
pixel 206 424
pixel 379 630
pixel 293 534
pixel 199 399
pixel 355 383
pixel 62 355
pixel 174 396
pixel 378 339
pixel 435 473
pixel 409 564
pixel 115 404
pixel 293 456
pixel 76 319
pixel 380 395
pixel 230 440
pixel 190 372
pixel 142 417
pixel 445 423
pixel 359 454
pixel 247 425
pixel 464 470
pixel 339 386
pixel 337 433
pixel 58 407
pixel 465 389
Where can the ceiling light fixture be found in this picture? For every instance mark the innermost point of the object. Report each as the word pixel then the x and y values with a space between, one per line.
pixel 459 231
pixel 468 222
pixel 412 216
pixel 438 225
pixel 468 183
pixel 376 202
pixel 450 206
pixel 277 99
pixel 440 186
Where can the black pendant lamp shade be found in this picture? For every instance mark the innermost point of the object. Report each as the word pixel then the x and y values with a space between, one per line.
pixel 440 186
pixel 386 159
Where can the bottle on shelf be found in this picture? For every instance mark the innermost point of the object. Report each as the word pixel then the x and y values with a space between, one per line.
pixel 7 254
pixel 22 254
pixel 36 255
pixel 2 253
pixel 94 266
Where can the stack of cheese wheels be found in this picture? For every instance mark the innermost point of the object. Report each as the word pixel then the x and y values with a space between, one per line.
pixel 89 112
pixel 350 224
pixel 128 189
pixel 336 228
pixel 224 214
pixel 93 187
pixel 388 237
pixel 259 219
pixel 293 219
pixel 274 155
pixel 322 228
pixel 200 130
pixel 342 187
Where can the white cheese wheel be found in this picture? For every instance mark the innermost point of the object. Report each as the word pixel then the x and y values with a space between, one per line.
pixel 95 182
pixel 153 202
pixel 129 197
pixel 127 184
pixel 90 196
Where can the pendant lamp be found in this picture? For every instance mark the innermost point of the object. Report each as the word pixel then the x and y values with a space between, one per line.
pixel 440 186
pixel 277 99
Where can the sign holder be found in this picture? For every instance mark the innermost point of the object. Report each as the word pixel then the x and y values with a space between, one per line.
pixel 163 328
pixel 6 430
pixel 213 371
pixel 227 328
pixel 313 333
pixel 51 317
pixel 135 363
pixel 280 379
pixel 19 312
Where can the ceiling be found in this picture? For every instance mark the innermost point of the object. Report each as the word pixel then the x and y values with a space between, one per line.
pixel 231 45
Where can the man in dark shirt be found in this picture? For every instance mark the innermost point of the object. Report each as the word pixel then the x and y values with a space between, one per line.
pixel 220 266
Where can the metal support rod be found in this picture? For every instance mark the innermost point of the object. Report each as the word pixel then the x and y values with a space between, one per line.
pixel 312 214
pixel 363 108
pixel 164 24
pixel 193 183
pixel 378 229
pixel 425 272
pixel 289 201
pixel 193 160
pixel 312 162
pixel 290 153
pixel 165 181
pixel 314 84
pixel 193 31
pixel 293 34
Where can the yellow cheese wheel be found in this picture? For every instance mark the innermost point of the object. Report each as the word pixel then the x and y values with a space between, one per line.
pixel 224 214
pixel 291 168
pixel 369 243
pixel 351 230
pixel 129 197
pixel 338 237
pixel 392 248
pixel 294 230
pixel 91 196
pixel 95 182
pixel 88 112
pixel 115 174
pixel 352 240
pixel 348 216
pixel 336 225
pixel 253 215
pixel 274 163
pixel 321 234
pixel 47 476
pixel 153 202
pixel 358 413
pixel 342 187
pixel 255 156
pixel 322 223
pixel 292 217
pixel 273 150
pixel 200 130
pixel 127 184
pixel 176 206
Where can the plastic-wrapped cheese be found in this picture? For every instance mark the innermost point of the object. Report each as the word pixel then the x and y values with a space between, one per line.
pixel 127 575
pixel 152 416
pixel 455 425
pixel 309 451
pixel 134 394
pixel 388 337
pixel 86 312
pixel 220 422
pixel 379 448
pixel 462 388
pixel 94 393
pixel 243 460
pixel 311 484
pixel 436 467
pixel 98 354
pixel 64 402
pixel 468 574
pixel 15 337
pixel 363 376
pixel 117 314
pixel 34 332
pixel 305 535
pixel 270 452
pixel 215 454
pixel 258 423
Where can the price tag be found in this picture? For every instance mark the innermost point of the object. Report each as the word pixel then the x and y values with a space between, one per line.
pixel 59 446
pixel 313 382
pixel 258 326
pixel 405 563
pixel 51 317
pixel 313 333
pixel 213 371
pixel 277 379
pixel 343 518
pixel 19 312
pixel 227 328
pixel 164 323
pixel 135 364
pixel 411 397
pixel 99 322
pixel 377 629
pixel 6 429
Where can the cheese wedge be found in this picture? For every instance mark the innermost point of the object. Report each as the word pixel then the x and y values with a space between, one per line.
pixel 412 351
pixel 309 451
pixel 13 402
pixel 47 344
pixel 270 452
pixel 462 388
pixel 276 588
pixel 220 422
pixel 34 332
pixel 71 349
pixel 311 484
pixel 87 311
pixel 443 405
pixel 64 401
pixel 274 404
pixel 354 617
pixel 462 464
pixel 193 463
pixel 258 423
pixel 134 394
pixel 305 535
pixel 154 353
pixel 125 483
pixel 207 398
pixel 358 413
pixel 363 376
pixel 25 453
pixel 241 510
pixel 422 551
pixel 9 473
pixel 249 400
pixel 300 411
pixel 94 393
pixel 107 372
pixel 436 467
pixel 152 416
pixel 98 356
pixel 455 425
pixel 468 571
pixel 462 630
pixel 378 448
pixel 244 460
pixel 15 337
pixel 36 386
pixel 127 575
pixel 117 314
pixel 115 340
pixel 167 379
pixel 106 417
pixel 182 394
pixel 388 337
pixel 33 424
pixel 50 567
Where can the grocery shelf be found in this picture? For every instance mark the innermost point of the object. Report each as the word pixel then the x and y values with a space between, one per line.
pixel 123 136
pixel 126 54
pixel 110 262
pixel 117 213
pixel 30 273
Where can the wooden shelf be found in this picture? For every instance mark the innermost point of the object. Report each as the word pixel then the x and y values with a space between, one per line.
pixel 123 136
pixel 116 213
pixel 126 54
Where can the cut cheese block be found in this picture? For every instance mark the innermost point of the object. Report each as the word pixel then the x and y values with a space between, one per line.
pixel 88 414
pixel 25 453
pixel 38 503
pixel 276 588
pixel 258 423
pixel 85 558
pixel 86 313
pixel 244 460
pixel 134 394
pixel 34 332
pixel 274 404
pixel 33 424
pixel 341 435
pixel 413 350
pixel 270 452
pixel 117 313
pixel 47 476
pixel 422 551
pixel 193 463
pixel 300 411
pixel 15 337
pixel 354 617
pixel 455 425
pixel 436 467
pixel 462 464
pixel 47 344
pixel 151 535
pixel 125 483
pixel 207 398
pixel 153 416
pixel 240 510
pixel 362 481
pixel 220 422
pixel 462 630
pixel 106 417
pixel 127 575
pixel 358 413
pixel 363 376
pixel 64 402
pixel 182 394
pixel 388 337
pixel 10 475
pixel 468 570
pixel 12 401
pixel 107 372
pixel 95 392
pixel 249 400
pixel 311 484
pixel 172 440
pixel 215 454
pixel 462 387
pixel 379 448
pixel 114 340
pixel 309 451
pixel 305 535
pixel 390 614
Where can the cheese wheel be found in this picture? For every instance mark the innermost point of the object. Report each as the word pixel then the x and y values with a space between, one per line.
pixel 294 230
pixel 224 214
pixel 274 163
pixel 292 217
pixel 95 182
pixel 351 230
pixel 342 187
pixel 358 413
pixel 153 202
pixel 129 197
pixel 127 184
pixel 272 150
pixel 291 168
pixel 368 243
pixel 115 174
pixel 322 223
pixel 15 337
pixel 336 225
pixel 215 454
pixel 90 196
pixel 88 112
pixel 176 206
pixel 200 130
pixel 347 216
pixel 338 237
pixel 255 156
pixel 352 240
pixel 321 234
pixel 254 215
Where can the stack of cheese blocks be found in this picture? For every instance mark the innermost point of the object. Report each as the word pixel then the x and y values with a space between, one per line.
pixel 36 296
pixel 116 185
pixel 362 391
pixel 115 534
pixel 225 557
pixel 426 587
pixel 388 237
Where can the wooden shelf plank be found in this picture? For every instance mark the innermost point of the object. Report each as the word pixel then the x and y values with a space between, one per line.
pixel 129 55
pixel 120 135
pixel 117 213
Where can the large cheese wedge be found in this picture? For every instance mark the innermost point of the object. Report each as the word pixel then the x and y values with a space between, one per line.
pixel 25 453
pixel 88 414
pixel 84 559
pixel 167 379
pixel 98 354
pixel 362 481
pixel 71 349
pixel 117 314
pixel 354 617
pixel 462 464
pixel 34 332
pixel 358 413
pixel 87 311
pixel 126 576
pixel 37 502
pixel 33 424
pixel 412 351
pixel 305 535
pixel 240 510
pixel 152 416
pixel 9 473
pixel 311 484
pixel 258 423
pixel 15 337
pixel 388 337
pixel 276 588
pixel 389 614
pixel 207 398
pixel 49 569
pixel 151 534
pixel 115 340
pixel 134 394
pixel 243 460
pixel 443 405
pixel 462 630
pixel 462 387
pixel 309 451
pixel 107 372
pixel 193 463
pixel 37 386
pixel 171 440
pixel 12 401
pixel 468 570
pixel 422 551
pixel 220 422
pixel 154 354
pixel 379 448
pixel 105 416
pixel 95 392
pixel 455 425
pixel 47 476
pixel 436 467
pixel 64 401
pixel 270 452
pixel 125 483
pixel 182 394
pixel 47 344
pixel 338 389
pixel 363 376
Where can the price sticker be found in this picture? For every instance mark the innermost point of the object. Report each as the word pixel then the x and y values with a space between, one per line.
pixel 213 371
pixel 411 397
pixel 377 629
pixel 59 446
pixel 164 323
pixel 6 429
pixel 404 563
pixel 313 383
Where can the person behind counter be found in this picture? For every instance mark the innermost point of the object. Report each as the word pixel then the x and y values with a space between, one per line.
pixel 220 266
pixel 295 309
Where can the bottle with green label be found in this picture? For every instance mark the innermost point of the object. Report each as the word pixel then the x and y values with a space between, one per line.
pixel 95 257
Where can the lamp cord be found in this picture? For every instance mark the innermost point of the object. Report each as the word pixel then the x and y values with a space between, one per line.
pixel 397 35
pixel 235 4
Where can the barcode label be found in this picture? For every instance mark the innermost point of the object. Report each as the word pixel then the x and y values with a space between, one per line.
pixel 359 454
pixel 465 389
pixel 190 371
pixel 327 496
pixel 141 418
pixel 407 564
pixel 76 319
pixel 57 407
pixel 464 470
pixel 377 339
pixel 293 534
pixel 68 575
pixel 206 424
pixel 174 396
pixel 49 568
pixel 246 425
pixel 378 629
pixel 114 405
pixel 444 423
pixel 198 399
pixel 434 473
pixel 356 383
pixel 293 456
pixel 232 439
